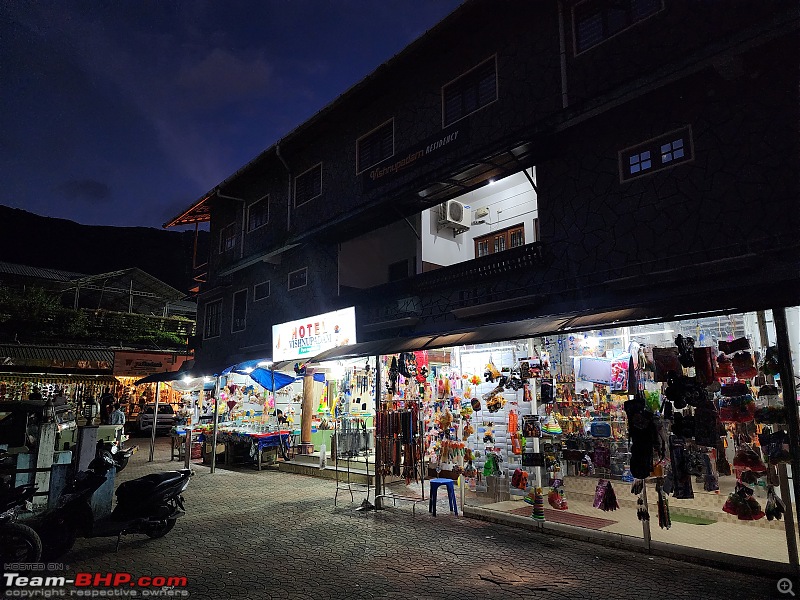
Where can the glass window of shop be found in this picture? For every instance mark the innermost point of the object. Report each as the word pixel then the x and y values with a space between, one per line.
pixel 670 433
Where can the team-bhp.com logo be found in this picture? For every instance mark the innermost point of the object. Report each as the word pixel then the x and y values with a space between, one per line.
pixel 93 585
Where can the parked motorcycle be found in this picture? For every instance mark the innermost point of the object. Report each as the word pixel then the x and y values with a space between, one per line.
pixel 18 542
pixel 120 454
pixel 149 505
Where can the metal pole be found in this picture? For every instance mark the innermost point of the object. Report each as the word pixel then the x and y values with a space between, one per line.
pixel 789 403
pixel 187 450
pixel 155 420
pixel 780 471
pixel 378 471
pixel 275 400
pixel 214 428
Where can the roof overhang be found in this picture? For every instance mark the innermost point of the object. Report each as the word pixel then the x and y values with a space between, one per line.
pixel 199 212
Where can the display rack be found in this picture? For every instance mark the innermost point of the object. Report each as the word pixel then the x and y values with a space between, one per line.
pixel 399 436
pixel 352 441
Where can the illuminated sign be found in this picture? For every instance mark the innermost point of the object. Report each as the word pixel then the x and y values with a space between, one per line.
pixel 305 338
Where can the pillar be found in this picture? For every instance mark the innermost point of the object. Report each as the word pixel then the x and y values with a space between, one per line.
pixel 44 461
pixel 308 408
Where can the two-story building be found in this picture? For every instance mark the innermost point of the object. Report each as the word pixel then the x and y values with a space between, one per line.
pixel 527 169
pixel 521 160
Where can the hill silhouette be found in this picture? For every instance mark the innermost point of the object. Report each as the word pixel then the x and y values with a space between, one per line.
pixel 37 241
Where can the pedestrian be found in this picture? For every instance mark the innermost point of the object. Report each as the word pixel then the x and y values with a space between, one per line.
pixel 106 406
pixel 117 416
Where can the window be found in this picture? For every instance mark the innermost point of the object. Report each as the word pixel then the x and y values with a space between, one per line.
pixel 261 291
pixel 595 21
pixel 470 92
pixel 376 146
pixel 298 279
pixel 657 154
pixel 640 162
pixel 672 150
pixel 227 238
pixel 213 322
pixel 500 241
pixel 308 185
pixel 239 321
pixel 258 214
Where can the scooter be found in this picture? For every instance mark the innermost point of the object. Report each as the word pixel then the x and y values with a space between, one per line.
pixel 18 542
pixel 120 455
pixel 149 505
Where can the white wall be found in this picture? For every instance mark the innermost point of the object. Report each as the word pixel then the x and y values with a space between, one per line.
pixel 510 201
pixel 364 261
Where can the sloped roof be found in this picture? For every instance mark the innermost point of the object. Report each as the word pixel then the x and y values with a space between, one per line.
pixel 143 282
pixel 38 272
pixel 21 355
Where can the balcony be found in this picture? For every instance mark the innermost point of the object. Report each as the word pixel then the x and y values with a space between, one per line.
pixel 479 286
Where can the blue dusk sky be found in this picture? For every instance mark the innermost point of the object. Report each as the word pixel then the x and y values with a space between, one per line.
pixel 125 112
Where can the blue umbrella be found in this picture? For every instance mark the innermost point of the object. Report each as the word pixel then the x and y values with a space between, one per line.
pixel 242 367
pixel 264 378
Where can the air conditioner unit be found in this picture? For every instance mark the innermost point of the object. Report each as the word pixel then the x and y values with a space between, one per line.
pixel 456 215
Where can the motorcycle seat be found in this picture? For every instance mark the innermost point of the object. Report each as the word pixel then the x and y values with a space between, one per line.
pixel 148 484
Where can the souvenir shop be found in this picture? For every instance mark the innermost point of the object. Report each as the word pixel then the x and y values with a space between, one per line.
pixel 257 404
pixel 670 433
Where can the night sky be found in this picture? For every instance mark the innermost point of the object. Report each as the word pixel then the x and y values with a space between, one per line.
pixel 126 112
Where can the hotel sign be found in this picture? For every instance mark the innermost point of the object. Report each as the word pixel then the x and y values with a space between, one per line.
pixel 404 161
pixel 305 338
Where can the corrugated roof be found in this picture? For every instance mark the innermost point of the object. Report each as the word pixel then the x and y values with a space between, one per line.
pixel 38 272
pixel 19 354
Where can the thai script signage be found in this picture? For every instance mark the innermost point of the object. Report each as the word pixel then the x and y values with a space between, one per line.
pixel 404 161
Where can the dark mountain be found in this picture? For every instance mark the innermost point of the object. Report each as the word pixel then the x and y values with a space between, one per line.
pixel 33 240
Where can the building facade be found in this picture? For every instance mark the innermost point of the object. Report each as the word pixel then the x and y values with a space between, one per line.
pixel 607 160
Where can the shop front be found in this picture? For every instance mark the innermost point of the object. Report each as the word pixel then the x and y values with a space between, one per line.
pixel 674 436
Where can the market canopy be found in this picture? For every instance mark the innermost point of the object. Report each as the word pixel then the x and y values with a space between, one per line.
pixel 247 366
pixel 267 378
pixel 162 377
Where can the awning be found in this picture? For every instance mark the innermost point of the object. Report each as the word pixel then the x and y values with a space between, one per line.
pixel 247 366
pixel 266 378
pixel 162 377
pixel 55 358
pixel 497 332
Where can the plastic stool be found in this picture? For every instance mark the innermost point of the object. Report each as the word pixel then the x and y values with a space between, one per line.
pixel 451 494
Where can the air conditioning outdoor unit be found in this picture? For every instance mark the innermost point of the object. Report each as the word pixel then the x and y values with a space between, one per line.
pixel 456 215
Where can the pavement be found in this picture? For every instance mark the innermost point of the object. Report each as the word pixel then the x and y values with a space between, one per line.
pixel 250 534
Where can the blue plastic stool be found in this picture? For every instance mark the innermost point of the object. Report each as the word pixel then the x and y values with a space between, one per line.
pixel 451 494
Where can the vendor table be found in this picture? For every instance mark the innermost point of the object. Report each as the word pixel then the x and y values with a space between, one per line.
pixel 257 441
pixel 178 445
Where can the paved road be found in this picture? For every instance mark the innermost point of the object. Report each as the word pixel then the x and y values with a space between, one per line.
pixel 274 535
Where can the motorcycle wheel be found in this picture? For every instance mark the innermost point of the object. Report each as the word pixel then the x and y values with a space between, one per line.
pixel 19 543
pixel 161 529
pixel 58 539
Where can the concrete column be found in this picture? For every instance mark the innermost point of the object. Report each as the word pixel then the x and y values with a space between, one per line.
pixel 44 461
pixel 306 447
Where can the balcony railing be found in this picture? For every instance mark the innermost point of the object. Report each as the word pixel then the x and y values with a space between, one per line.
pixel 437 293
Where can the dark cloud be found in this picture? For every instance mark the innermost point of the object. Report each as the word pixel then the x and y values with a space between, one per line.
pixel 85 190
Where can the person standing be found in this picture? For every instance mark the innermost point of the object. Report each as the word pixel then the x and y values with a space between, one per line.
pixel 117 416
pixel 106 406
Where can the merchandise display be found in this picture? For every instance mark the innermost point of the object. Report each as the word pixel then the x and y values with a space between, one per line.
pixel 687 411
